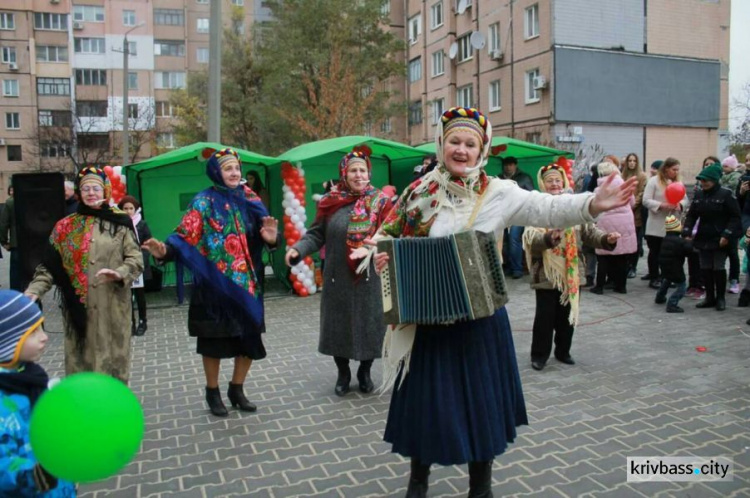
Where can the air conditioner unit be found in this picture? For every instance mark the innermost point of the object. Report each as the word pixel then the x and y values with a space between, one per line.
pixel 496 55
pixel 2 142
pixel 78 25
pixel 13 66
pixel 540 83
pixel 54 2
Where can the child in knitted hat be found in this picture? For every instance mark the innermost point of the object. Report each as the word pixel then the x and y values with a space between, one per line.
pixel 22 381
pixel 674 250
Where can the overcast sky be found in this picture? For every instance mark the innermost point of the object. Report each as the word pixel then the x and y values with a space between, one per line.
pixel 739 55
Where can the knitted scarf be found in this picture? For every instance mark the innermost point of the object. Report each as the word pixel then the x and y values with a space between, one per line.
pixel 28 379
pixel 212 241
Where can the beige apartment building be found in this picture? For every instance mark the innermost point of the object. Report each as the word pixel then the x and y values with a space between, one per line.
pixel 644 76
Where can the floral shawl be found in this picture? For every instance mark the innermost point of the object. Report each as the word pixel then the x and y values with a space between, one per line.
pixel 369 210
pixel 212 241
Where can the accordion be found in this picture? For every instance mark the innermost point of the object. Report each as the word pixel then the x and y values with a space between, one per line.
pixel 442 280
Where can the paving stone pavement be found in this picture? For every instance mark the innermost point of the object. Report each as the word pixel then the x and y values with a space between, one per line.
pixel 639 388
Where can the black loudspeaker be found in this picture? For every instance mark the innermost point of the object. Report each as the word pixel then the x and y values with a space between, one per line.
pixel 39 204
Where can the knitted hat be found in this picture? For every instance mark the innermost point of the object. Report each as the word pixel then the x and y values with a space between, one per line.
pixel 19 317
pixel 464 119
pixel 657 164
pixel 553 168
pixel 93 173
pixel 711 173
pixel 672 224
pixel 356 156
pixel 213 165
pixel 730 162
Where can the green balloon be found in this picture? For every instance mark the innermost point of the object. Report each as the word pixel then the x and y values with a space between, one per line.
pixel 86 428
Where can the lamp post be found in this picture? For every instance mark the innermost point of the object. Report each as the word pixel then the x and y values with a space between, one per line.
pixel 125 81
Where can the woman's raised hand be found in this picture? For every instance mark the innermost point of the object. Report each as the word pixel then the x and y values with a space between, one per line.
pixel 291 254
pixel 270 229
pixel 611 197
pixel 157 248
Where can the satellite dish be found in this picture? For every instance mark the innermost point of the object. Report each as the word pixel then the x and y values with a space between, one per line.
pixel 453 52
pixel 462 6
pixel 477 40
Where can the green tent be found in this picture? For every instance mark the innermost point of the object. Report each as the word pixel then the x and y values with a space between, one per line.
pixel 530 156
pixel 166 184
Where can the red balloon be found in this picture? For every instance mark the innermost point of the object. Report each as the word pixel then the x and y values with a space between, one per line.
pixel 303 292
pixel 108 171
pixel 675 192
pixel 288 227
pixel 309 261
pixel 298 286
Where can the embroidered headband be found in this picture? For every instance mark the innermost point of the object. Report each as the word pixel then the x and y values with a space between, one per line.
pixel 356 156
pixel 465 119
pixel 93 173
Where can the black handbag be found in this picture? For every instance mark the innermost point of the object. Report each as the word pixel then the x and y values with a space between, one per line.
pixel 154 284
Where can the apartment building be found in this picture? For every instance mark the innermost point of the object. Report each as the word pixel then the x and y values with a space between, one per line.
pixel 63 74
pixel 643 76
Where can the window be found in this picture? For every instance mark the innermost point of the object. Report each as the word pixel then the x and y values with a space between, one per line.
pixel 9 55
pixel 89 45
pixel 385 126
pixel 132 81
pixel 7 20
pixel 14 153
pixel 170 79
pixel 532 95
pixel 10 88
pixel 436 15
pixel 53 86
pixel 464 96
pixel 49 53
pixel 415 28
pixel 165 140
pixel 202 25
pixel 91 77
pixel 385 7
pixel 531 22
pixel 93 141
pixel 54 118
pixel 438 63
pixel 88 13
pixel 534 137
pixel 54 149
pixel 47 20
pixel 468 4
pixel 12 120
pixel 201 55
pixel 495 95
pixel 415 70
pixel 201 2
pixel 465 50
pixel 438 108
pixel 91 108
pixel 164 109
pixel 132 48
pixel 169 17
pixel 128 18
pixel 415 113
pixel 133 111
pixel 239 3
pixel 169 48
pixel 494 37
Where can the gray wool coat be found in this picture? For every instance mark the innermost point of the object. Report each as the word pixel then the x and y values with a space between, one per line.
pixel 351 315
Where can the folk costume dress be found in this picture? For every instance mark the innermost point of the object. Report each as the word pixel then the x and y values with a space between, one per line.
pixel 97 315
pixel 219 240
pixel 457 394
pixel 351 318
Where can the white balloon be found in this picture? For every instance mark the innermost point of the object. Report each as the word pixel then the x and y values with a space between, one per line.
pixel 295 203
pixel 317 197
pixel 285 188
pixel 301 172
pixel 124 179
pixel 285 204
pixel 117 170
pixel 313 289
pixel 295 218
pixel 306 282
pixel 295 270
pixel 289 195
pixel 289 211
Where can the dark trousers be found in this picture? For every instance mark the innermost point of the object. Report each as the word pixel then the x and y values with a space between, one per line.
pixel 551 316
pixel 590 257
pixel 615 267
pixel 654 248
pixel 15 271
pixel 140 300
pixel 734 260
pixel 695 278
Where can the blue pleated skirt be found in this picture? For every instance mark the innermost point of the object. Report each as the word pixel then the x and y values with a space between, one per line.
pixel 462 399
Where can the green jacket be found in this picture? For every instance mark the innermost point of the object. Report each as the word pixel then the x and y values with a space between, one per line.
pixel 8 224
pixel 731 180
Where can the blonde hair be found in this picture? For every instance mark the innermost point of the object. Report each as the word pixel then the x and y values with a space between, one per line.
pixel 606 169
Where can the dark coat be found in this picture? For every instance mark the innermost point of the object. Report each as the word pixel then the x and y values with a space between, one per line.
pixel 719 215
pixel 144 233
pixel 71 205
pixel 522 179
pixel 674 250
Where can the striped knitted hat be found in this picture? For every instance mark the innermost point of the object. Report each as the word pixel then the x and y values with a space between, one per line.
pixel 19 317
pixel 672 224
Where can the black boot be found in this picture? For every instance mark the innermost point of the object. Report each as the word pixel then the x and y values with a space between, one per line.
pixel 480 479
pixel 744 300
pixel 237 398
pixel 708 280
pixel 363 376
pixel 345 376
pixel 720 280
pixel 418 481
pixel 142 328
pixel 213 398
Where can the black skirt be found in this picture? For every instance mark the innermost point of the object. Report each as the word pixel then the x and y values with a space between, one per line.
pixel 230 347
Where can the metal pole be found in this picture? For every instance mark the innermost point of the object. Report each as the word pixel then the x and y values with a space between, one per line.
pixel 125 135
pixel 214 73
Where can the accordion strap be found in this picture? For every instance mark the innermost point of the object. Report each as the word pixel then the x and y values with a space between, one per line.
pixel 477 206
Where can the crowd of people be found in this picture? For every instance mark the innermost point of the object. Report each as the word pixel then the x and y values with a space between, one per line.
pixel 594 238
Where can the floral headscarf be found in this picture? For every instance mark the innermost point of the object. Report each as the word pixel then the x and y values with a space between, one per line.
pixel 560 262
pixel 212 241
